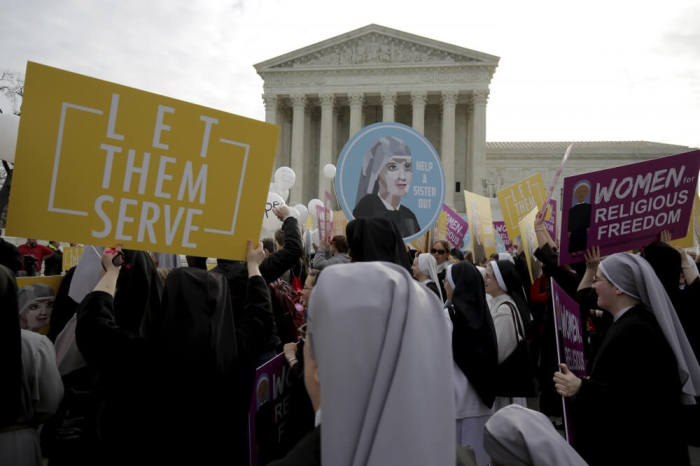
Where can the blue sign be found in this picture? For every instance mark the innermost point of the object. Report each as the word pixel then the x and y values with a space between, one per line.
pixel 390 170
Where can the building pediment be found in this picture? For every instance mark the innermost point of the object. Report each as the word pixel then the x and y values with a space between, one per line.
pixel 376 46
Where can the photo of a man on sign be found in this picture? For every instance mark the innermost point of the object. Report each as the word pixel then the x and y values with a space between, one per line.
pixel 386 178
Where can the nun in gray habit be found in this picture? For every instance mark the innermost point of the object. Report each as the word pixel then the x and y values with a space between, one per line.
pixel 379 362
pixel 518 436
pixel 627 410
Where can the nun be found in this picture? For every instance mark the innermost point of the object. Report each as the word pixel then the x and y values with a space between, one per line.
pixel 31 388
pixel 628 410
pixel 517 436
pixel 425 271
pixel 385 179
pixel 510 314
pixel 474 352
pixel 378 371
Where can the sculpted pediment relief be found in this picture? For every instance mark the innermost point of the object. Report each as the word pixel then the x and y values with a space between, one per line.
pixel 375 49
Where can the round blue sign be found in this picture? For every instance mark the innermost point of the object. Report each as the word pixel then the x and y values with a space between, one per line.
pixel 390 170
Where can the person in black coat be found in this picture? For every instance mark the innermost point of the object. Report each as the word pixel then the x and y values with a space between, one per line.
pixel 271 268
pixel 628 410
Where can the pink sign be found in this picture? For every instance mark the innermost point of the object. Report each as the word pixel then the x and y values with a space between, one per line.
pixel 626 207
pixel 569 336
pixel 551 224
pixel 503 233
pixel 329 222
pixel 321 216
pixel 456 227
pixel 268 410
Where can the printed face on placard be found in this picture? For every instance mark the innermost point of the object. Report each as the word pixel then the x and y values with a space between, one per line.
pixel 391 171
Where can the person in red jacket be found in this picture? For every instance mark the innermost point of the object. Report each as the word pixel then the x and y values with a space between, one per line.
pixel 37 251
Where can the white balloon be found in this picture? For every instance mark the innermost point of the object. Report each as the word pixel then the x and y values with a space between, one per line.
pixel 284 193
pixel 315 238
pixel 329 171
pixel 294 213
pixel 303 212
pixel 9 124
pixel 285 177
pixel 270 221
pixel 274 188
pixel 312 207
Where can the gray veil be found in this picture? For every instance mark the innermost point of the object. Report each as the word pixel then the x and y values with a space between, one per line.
pixel 634 276
pixel 375 159
pixel 384 357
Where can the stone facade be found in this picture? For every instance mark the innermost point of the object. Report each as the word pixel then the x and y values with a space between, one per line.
pixel 322 94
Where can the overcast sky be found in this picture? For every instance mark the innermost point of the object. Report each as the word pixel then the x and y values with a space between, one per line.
pixel 593 70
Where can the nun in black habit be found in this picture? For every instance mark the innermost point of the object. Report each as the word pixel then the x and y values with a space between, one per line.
pixel 376 239
pixel 182 387
pixel 627 411
pixel 475 353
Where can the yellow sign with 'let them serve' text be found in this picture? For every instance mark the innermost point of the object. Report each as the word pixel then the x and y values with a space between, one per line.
pixel 99 163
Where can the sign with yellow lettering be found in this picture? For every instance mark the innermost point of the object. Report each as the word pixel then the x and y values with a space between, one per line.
pixel 518 200
pixel 101 163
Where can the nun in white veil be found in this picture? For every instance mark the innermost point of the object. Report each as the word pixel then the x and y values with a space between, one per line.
pixel 378 369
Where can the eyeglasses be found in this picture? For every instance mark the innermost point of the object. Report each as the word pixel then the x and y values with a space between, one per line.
pixel 302 332
pixel 438 251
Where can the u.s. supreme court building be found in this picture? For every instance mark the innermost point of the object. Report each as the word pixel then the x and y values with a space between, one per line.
pixel 322 94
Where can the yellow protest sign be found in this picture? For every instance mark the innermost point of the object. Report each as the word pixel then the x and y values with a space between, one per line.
pixel 441 226
pixel 340 221
pixel 482 240
pixel 529 242
pixel 101 163
pixel 693 228
pixel 71 256
pixel 518 199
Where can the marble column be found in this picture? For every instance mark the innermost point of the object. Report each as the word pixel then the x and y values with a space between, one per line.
pixel 477 140
pixel 447 149
pixel 297 156
pixel 388 105
pixel 356 101
pixel 418 101
pixel 270 101
pixel 326 143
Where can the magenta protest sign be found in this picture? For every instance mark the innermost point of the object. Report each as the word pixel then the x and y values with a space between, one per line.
pixel 551 223
pixel 268 411
pixel 626 207
pixel 456 227
pixel 567 318
pixel 569 337
pixel 500 228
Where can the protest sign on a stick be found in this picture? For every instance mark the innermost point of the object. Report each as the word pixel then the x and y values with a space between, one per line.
pixel 268 413
pixel 482 242
pixel 518 199
pixel 529 242
pixel 502 232
pixel 455 227
pixel 101 163
pixel 626 207
pixel 568 333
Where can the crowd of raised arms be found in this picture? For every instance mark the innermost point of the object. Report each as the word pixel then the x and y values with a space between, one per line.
pixel 393 356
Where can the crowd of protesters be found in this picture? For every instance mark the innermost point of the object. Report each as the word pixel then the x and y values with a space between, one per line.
pixel 396 356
